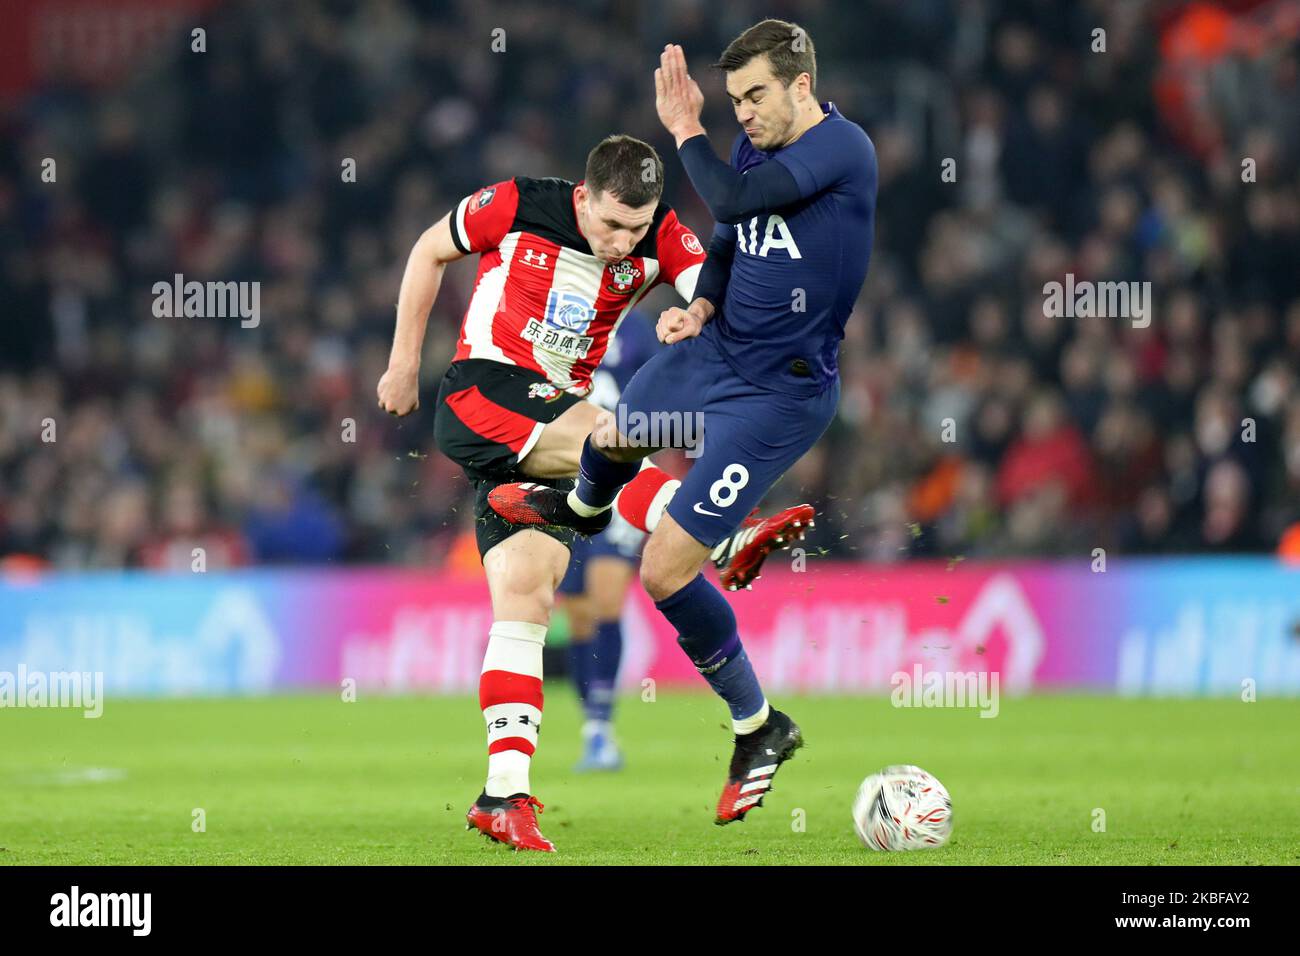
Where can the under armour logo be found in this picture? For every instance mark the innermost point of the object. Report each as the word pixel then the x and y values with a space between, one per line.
pixel 537 259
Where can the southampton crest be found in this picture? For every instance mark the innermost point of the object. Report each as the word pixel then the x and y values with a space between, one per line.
pixel 625 276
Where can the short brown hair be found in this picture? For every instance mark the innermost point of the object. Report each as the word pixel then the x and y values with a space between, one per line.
pixel 626 168
pixel 787 46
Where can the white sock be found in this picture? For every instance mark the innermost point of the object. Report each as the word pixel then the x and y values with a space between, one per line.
pixel 507 774
pixel 510 692
pixel 584 509
pixel 747 725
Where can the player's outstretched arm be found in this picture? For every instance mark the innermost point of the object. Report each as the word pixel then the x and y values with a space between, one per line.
pixel 731 196
pixel 399 388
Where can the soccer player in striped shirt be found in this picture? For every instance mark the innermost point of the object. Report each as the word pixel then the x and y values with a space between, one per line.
pixel 561 265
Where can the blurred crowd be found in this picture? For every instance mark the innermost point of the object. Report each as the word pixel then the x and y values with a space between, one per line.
pixel 972 422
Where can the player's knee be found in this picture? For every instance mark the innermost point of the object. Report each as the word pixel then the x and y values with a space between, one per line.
pixel 534 604
pixel 660 577
pixel 523 592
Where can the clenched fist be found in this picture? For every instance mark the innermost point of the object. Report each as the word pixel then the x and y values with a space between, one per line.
pixel 676 324
pixel 399 391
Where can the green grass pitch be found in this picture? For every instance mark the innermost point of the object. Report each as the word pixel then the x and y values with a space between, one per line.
pixel 312 779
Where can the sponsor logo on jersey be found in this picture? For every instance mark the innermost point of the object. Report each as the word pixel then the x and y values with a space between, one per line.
pixel 692 244
pixel 481 199
pixel 565 344
pixel 569 311
pixel 626 277
pixel 762 240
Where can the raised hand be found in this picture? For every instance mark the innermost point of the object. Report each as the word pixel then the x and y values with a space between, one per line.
pixel 677 97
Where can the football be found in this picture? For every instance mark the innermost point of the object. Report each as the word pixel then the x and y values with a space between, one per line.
pixel 902 808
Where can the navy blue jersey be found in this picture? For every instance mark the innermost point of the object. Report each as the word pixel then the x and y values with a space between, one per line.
pixel 631 346
pixel 797 270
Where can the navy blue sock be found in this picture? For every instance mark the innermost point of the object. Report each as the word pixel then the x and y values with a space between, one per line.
pixel 580 667
pixel 599 479
pixel 607 651
pixel 706 631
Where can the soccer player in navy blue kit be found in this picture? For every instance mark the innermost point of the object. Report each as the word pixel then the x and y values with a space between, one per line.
pixel 755 352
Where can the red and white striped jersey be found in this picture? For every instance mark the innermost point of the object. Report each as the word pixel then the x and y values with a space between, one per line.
pixel 541 299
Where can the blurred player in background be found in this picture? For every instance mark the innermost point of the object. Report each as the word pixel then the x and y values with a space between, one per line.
pixel 756 352
pixel 602 569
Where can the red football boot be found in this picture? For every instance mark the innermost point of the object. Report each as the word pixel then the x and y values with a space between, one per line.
pixel 754 764
pixel 528 503
pixel 740 557
pixel 509 820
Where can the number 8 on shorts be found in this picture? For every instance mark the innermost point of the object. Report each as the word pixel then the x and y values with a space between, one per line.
pixel 723 492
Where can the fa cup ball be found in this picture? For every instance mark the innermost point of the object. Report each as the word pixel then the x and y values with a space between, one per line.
pixel 902 808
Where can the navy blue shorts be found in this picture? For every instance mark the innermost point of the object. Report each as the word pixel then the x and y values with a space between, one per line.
pixel 620 540
pixel 751 435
